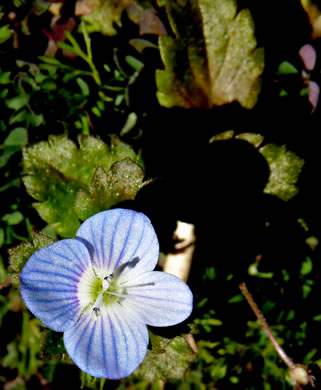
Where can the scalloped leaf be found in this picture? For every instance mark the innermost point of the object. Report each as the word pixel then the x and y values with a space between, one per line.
pixel 285 167
pixel 168 360
pixel 123 181
pixel 58 170
pixel 102 15
pixel 213 59
pixel 19 255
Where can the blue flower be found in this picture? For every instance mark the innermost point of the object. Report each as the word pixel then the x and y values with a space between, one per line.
pixel 101 291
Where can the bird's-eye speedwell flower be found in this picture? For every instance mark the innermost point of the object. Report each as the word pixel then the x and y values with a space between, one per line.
pixel 101 291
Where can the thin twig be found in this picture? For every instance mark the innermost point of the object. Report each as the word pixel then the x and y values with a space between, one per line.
pixel 247 295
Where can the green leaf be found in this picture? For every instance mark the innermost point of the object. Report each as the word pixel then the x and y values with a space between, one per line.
pixel 69 49
pixel 286 68
pixel 19 255
pixel 18 102
pixel 58 170
pixel 252 138
pixel 5 33
pixel 168 360
pixel 123 181
pixel 285 167
pixel 51 60
pixel 130 123
pixel 5 78
pixel 213 60
pixel 307 266
pixel 134 63
pixel 13 218
pixel 8 152
pixel 20 116
pixel 52 346
pixel 83 86
pixel 104 15
pixel 17 137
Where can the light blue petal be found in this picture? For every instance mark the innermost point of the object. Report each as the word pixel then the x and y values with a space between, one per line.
pixel 118 236
pixel 49 283
pixel 111 345
pixel 159 298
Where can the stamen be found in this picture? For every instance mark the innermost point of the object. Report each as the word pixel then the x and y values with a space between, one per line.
pixel 107 280
pixel 123 295
pixel 96 311
pixel 99 301
pixel 136 285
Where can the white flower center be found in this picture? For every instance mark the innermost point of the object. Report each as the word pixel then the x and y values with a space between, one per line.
pixel 99 301
pixel 94 291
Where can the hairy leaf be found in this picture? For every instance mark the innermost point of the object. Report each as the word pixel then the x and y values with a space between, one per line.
pixel 102 14
pixel 123 181
pixel 52 346
pixel 285 167
pixel 213 59
pixel 168 360
pixel 20 254
pixel 58 170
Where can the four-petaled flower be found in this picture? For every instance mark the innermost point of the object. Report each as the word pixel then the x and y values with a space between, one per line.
pixel 101 291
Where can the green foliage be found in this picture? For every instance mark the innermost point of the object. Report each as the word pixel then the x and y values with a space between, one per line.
pixel 74 48
pixel 123 181
pixel 52 346
pixel 169 359
pixel 286 68
pixel 285 168
pixel 210 59
pixel 213 60
pixel 71 182
pixel 20 254
pixel 5 33
pixel 25 357
pixel 14 142
pixel 105 14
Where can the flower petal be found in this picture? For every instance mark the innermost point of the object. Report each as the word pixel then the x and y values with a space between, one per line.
pixel 49 283
pixel 159 298
pixel 117 237
pixel 111 345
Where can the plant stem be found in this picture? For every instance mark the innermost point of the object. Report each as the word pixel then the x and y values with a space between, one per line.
pixel 247 295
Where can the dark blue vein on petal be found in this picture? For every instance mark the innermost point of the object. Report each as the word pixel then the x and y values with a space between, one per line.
pixel 43 300
pixel 76 307
pixel 59 265
pixel 60 255
pixel 37 288
pixel 114 341
pixel 150 245
pixel 129 327
pixel 103 342
pixel 48 282
pixel 62 313
pixel 84 266
pixel 29 271
pixel 93 240
pixel 102 248
pixel 125 242
pixel 111 249
pixel 139 242
pixel 89 344
pixel 125 339
pixel 81 336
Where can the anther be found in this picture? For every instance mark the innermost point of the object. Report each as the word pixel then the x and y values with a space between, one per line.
pixel 107 280
pixel 96 311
